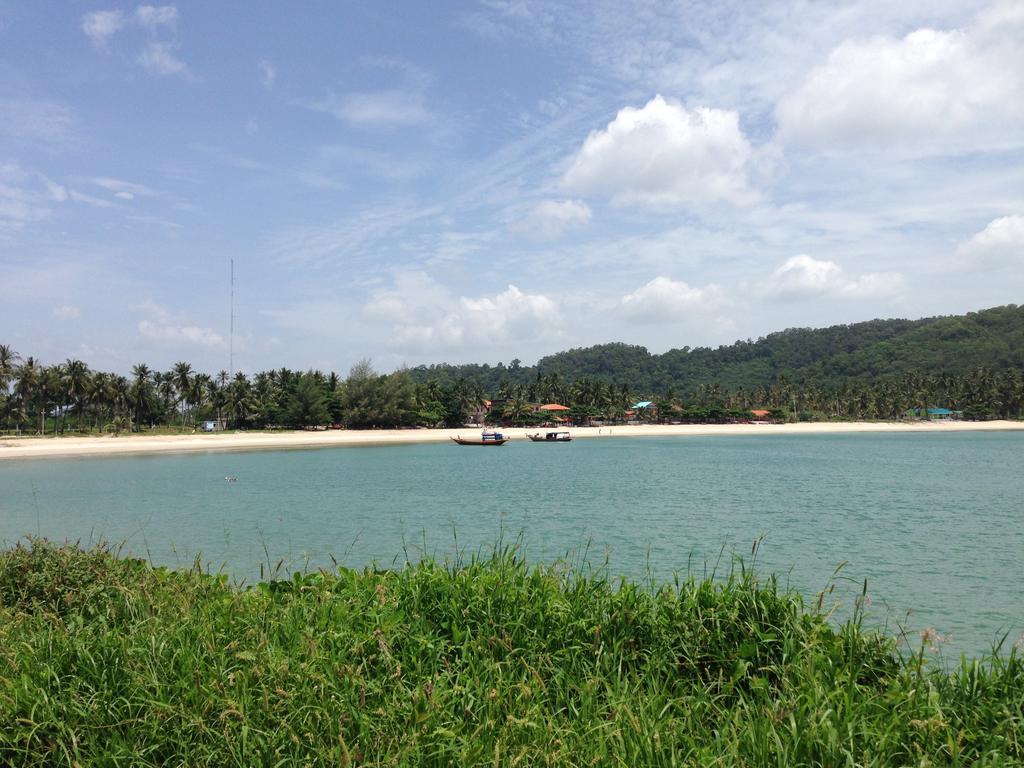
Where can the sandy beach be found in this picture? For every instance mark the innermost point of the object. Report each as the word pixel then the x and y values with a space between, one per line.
pixel 50 447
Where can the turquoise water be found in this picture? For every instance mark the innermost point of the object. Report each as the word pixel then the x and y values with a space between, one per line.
pixel 933 522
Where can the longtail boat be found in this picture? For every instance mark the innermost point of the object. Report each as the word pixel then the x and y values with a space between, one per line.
pixel 486 438
pixel 551 437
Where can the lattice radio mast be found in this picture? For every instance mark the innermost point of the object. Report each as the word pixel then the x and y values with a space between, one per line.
pixel 231 335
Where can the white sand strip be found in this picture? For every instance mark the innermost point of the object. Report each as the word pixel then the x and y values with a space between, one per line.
pixel 35 447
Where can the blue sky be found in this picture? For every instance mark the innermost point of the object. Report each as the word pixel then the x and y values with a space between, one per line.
pixel 424 182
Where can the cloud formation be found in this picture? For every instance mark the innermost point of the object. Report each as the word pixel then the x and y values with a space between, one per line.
pixel 153 17
pixel 664 299
pixel 100 26
pixel 36 121
pixel 424 315
pixel 158 25
pixel 375 108
pixel 1001 240
pixel 551 218
pixel 803 277
pixel 25 197
pixel 666 155
pixel 66 312
pixel 174 330
pixel 159 57
pixel 931 90
pixel 268 73
pixel 124 190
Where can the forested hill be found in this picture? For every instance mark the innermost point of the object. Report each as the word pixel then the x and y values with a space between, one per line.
pixel 824 357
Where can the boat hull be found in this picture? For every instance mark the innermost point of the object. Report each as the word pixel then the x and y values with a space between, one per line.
pixel 463 441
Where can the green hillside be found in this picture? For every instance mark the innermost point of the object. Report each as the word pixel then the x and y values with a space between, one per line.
pixel 825 357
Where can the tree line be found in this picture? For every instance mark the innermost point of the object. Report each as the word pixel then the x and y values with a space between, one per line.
pixel 825 358
pixel 71 397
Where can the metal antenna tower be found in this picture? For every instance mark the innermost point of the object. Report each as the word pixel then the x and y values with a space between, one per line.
pixel 231 335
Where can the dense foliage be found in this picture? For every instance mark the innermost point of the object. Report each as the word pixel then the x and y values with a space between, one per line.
pixel 72 398
pixel 826 358
pixel 107 661
pixel 875 370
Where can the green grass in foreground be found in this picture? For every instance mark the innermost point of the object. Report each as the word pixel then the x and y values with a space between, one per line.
pixel 108 661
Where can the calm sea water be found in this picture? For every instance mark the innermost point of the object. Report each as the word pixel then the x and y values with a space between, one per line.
pixel 932 521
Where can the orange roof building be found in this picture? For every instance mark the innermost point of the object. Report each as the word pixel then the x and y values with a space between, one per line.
pixel 553 407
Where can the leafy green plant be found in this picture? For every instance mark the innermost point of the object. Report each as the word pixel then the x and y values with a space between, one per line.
pixel 481 661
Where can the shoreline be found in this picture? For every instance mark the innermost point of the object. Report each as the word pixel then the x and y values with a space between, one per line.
pixel 72 447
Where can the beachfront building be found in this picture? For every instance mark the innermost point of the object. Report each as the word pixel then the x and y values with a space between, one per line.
pixel 645 410
pixel 552 408
pixel 554 411
pixel 942 414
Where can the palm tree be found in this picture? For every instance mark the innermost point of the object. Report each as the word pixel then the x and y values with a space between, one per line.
pixel 166 401
pixel 101 396
pixel 28 388
pixel 238 399
pixel 75 382
pixel 516 406
pixel 8 371
pixel 121 390
pixel 141 392
pixel 8 366
pixel 181 376
pixel 216 394
pixel 197 392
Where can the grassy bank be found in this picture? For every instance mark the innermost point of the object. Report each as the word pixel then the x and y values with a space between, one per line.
pixel 108 661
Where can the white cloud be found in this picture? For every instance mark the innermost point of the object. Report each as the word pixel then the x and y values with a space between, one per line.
pixel 932 90
pixel 1001 240
pixel 179 335
pixel 158 56
pixel 664 154
pixel 36 121
pixel 25 197
pixel 153 17
pixel 157 24
pixel 66 312
pixel 174 330
pixel 550 218
pixel 375 108
pixel 413 74
pixel 58 193
pixel 100 26
pixel 95 202
pixel 425 316
pixel 125 190
pixel 268 73
pixel 358 239
pixel 664 299
pixel 802 277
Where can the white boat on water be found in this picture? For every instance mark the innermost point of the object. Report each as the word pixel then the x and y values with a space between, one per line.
pixel 551 437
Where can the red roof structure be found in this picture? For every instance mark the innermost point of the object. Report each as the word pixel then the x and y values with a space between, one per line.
pixel 553 407
pixel 760 413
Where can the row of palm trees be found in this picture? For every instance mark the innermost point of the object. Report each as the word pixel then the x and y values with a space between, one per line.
pixel 69 396
pixel 981 393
